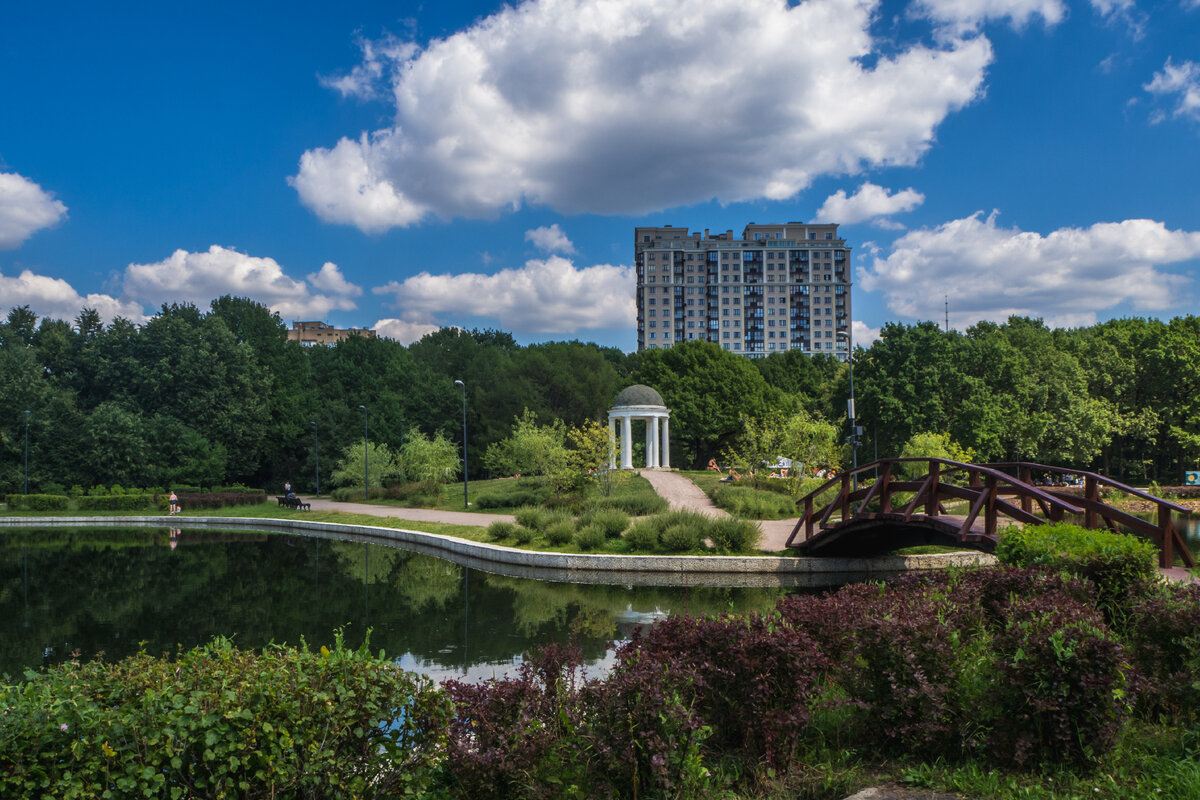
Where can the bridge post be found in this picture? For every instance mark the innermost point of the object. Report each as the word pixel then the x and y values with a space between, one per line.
pixel 845 494
pixel 808 518
pixel 1092 492
pixel 1166 551
pixel 1025 475
pixel 885 490
pixel 989 524
pixel 931 503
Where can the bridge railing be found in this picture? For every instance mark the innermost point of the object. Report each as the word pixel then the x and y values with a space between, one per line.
pixel 987 488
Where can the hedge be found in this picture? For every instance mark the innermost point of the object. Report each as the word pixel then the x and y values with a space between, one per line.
pixel 117 502
pixel 222 722
pixel 36 502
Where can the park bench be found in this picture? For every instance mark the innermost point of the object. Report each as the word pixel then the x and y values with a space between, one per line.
pixel 294 503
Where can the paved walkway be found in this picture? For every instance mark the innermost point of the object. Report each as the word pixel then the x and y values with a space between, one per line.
pixel 684 495
pixel 680 493
pixel 414 514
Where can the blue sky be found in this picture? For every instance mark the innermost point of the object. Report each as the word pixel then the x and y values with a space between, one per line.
pixel 405 166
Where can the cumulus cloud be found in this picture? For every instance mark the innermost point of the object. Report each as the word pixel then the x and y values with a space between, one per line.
pixel 628 106
pixel 1182 83
pixel 550 239
pixel 403 331
pixel 55 298
pixel 369 79
pixel 863 336
pixel 545 296
pixel 1123 13
pixel 868 202
pixel 1065 277
pixel 25 208
pixel 962 16
pixel 199 277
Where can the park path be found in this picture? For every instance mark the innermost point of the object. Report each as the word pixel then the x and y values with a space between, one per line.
pixel 682 494
pixel 413 514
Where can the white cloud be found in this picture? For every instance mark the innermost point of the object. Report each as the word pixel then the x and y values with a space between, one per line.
pixel 368 79
pixel 963 16
pixel 863 335
pixel 550 239
pixel 25 208
pixel 55 298
pixel 1065 277
pixel 544 296
pixel 199 277
pixel 627 106
pixel 403 331
pixel 330 279
pixel 1182 81
pixel 868 202
pixel 1123 12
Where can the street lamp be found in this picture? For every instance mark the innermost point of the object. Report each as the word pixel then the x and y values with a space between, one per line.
pixel 26 452
pixel 366 462
pixel 855 432
pixel 317 453
pixel 466 497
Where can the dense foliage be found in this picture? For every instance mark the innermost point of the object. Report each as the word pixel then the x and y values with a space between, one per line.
pixel 1009 668
pixel 205 398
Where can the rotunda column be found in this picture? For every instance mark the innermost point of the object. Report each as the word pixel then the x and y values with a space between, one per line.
pixel 652 454
pixel 626 443
pixel 665 458
pixel 612 439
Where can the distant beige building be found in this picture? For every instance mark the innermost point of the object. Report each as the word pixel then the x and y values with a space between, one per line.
pixel 313 333
pixel 780 287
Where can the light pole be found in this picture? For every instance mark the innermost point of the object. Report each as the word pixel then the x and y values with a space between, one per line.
pixel 466 497
pixel 855 432
pixel 317 453
pixel 366 462
pixel 26 452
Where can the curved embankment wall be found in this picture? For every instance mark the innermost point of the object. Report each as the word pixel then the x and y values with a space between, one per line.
pixel 661 570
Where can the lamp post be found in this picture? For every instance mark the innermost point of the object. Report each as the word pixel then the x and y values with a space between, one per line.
pixel 466 497
pixel 26 452
pixel 317 453
pixel 366 461
pixel 855 432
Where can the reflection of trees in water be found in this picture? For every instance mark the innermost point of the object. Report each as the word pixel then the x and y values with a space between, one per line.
pixel 426 582
pixel 109 590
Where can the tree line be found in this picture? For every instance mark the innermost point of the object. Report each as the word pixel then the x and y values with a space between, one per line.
pixel 221 397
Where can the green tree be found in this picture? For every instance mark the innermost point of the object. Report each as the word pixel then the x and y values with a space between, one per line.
pixel 708 390
pixel 535 450
pixel 429 460
pixel 380 465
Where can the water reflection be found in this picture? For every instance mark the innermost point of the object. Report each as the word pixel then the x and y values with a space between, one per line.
pixel 111 591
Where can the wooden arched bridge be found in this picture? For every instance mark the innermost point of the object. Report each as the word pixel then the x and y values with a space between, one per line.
pixel 898 510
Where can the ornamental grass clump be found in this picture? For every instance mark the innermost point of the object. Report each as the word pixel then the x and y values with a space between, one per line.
pixel 559 533
pixel 590 537
pixel 729 535
pixel 500 530
pixel 643 535
pixel 612 520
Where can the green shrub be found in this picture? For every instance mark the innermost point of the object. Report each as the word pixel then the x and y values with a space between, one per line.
pixel 75 491
pixel 643 535
pixel 37 502
pixel 1114 562
pixel 117 502
pixel 681 537
pixel 221 722
pixel 754 503
pixel 612 520
pixel 418 495
pixel 559 533
pixel 534 517
pixel 635 505
pixel 731 535
pixel 589 537
pixel 347 494
pixel 523 535
pixel 500 530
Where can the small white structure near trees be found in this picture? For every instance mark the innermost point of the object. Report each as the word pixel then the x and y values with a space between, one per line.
pixel 641 403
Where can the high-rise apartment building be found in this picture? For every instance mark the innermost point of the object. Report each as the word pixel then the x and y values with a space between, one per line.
pixel 779 287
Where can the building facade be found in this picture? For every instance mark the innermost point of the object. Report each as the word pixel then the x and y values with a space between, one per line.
pixel 314 333
pixel 779 287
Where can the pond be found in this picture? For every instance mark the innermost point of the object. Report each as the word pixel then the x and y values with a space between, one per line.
pixel 113 591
